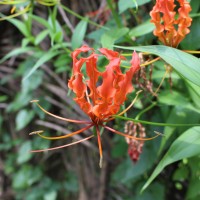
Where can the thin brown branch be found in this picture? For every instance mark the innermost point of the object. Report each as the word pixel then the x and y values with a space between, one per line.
pixel 65 18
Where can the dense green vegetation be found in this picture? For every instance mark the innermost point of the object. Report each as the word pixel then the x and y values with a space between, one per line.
pixel 36 63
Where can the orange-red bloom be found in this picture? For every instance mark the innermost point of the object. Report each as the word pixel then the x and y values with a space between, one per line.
pixel 103 101
pixel 166 20
pixel 99 101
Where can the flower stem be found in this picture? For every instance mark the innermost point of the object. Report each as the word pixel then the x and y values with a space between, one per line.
pixel 100 147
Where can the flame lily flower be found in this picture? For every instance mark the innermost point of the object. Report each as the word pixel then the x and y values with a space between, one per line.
pixel 164 17
pixel 99 102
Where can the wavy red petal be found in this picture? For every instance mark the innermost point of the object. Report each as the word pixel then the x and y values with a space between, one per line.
pixel 163 15
pixel 102 101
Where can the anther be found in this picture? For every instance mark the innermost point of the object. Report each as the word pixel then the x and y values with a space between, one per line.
pixel 36 132
pixel 34 101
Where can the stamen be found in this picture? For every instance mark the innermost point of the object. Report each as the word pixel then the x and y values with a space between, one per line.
pixel 16 14
pixel 63 146
pixel 58 117
pixel 129 136
pixel 192 52
pixel 65 136
pixel 150 62
pixel 125 110
pixel 13 9
pixel 158 133
pixel 86 92
pixel 36 132
pixel 134 100
pixel 100 147
pixel 163 78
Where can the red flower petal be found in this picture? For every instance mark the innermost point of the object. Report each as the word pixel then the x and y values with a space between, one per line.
pixel 163 16
pixel 100 102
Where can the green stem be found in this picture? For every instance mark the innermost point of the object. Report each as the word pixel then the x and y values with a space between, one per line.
pixel 195 15
pixel 145 110
pixel 83 18
pixel 115 15
pixel 153 123
pixel 28 22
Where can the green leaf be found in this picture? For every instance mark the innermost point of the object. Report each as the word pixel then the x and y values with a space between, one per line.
pixel 33 82
pixel 195 6
pixel 41 21
pixel 24 153
pixel 79 34
pixel 35 175
pixel 56 32
pixel 126 4
pixel 156 191
pixel 41 36
pixel 21 177
pixel 45 57
pixel 95 35
pixel 191 41
pixel 180 115
pixel 50 195
pixel 3 98
pixel 193 192
pixel 185 64
pixel 194 91
pixel 25 42
pixel 16 52
pixel 21 100
pixel 185 146
pixel 172 98
pixel 109 37
pixel 181 173
pixel 146 27
pixel 23 118
pixel 26 176
pixel 20 26
pixel 127 171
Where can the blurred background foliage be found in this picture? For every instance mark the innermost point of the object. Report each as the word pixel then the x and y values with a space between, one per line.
pixel 35 63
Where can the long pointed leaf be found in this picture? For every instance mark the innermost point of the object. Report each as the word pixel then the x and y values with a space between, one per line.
pixel 185 64
pixel 46 57
pixel 16 52
pixel 185 146
pixel 79 34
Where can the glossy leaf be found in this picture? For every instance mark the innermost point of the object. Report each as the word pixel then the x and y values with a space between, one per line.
pixel 185 146
pixel 185 64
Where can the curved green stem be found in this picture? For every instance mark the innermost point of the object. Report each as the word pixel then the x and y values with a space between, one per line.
pixel 145 110
pixel 115 15
pixel 82 18
pixel 153 123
